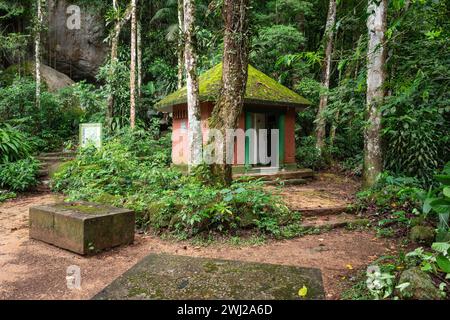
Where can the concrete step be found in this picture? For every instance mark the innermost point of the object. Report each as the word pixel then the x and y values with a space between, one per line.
pixel 264 170
pixel 44 186
pixel 59 154
pixel 43 173
pixel 342 220
pixel 321 212
pixel 290 182
pixel 53 158
pixel 282 175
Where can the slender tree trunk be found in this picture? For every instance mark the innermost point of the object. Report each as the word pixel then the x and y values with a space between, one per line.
pixel 180 49
pixel 194 115
pixel 133 65
pixel 230 103
pixel 320 118
pixel 376 75
pixel 120 21
pixel 139 59
pixel 37 49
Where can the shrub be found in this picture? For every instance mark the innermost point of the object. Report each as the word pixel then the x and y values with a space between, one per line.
pixel 19 175
pixel 438 202
pixel 393 193
pixel 6 195
pixel 308 156
pixel 395 201
pixel 59 114
pixel 14 144
pixel 162 197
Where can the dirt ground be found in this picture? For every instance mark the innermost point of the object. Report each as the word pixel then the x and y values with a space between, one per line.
pixel 326 190
pixel 31 269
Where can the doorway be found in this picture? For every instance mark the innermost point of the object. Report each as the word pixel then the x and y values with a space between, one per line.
pixel 261 142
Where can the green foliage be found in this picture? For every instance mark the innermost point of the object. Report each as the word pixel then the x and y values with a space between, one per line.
pixel 434 262
pixel 416 114
pixel 395 201
pixel 122 173
pixel 273 42
pixel 59 114
pixel 6 195
pixel 392 194
pixel 14 145
pixel 116 76
pixel 20 175
pixel 381 280
pixel 438 202
pixel 308 156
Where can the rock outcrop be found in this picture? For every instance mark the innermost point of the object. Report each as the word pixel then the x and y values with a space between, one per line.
pixel 419 286
pixel 53 79
pixel 79 52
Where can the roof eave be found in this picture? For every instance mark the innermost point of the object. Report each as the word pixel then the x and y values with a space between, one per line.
pixel 168 107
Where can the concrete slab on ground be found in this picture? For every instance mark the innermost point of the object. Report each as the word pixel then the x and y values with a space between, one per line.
pixel 168 277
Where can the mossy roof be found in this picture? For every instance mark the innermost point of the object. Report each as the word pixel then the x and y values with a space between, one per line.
pixel 261 89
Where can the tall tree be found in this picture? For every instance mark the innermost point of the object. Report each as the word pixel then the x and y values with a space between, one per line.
pixel 376 74
pixel 133 64
pixel 180 50
pixel 119 22
pixel 320 118
pixel 195 138
pixel 37 51
pixel 139 58
pixel 230 103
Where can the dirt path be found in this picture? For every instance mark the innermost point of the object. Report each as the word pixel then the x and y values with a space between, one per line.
pixel 326 190
pixel 30 269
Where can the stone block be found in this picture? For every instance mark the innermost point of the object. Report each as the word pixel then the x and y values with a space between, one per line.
pixel 82 227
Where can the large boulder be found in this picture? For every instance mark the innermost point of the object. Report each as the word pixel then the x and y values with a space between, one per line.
pixel 54 79
pixel 421 286
pixel 77 53
pixel 51 78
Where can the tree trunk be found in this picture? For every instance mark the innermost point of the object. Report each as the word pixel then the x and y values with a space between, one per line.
pixel 180 49
pixel 376 74
pixel 133 65
pixel 230 103
pixel 333 128
pixel 195 139
pixel 320 118
pixel 139 59
pixel 114 54
pixel 37 49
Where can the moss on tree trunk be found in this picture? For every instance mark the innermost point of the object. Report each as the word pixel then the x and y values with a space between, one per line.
pixel 230 103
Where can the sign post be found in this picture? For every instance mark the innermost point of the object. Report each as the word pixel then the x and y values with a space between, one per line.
pixel 91 134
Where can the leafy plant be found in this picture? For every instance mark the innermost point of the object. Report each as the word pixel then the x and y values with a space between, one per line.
pixel 438 202
pixel 433 262
pixel 6 195
pixel 128 174
pixel 379 283
pixel 19 175
pixel 308 156
pixel 14 144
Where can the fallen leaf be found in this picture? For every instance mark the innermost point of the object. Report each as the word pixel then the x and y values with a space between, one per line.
pixel 303 292
pixel 349 267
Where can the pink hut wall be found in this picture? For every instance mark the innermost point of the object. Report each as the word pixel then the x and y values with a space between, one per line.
pixel 289 136
pixel 180 139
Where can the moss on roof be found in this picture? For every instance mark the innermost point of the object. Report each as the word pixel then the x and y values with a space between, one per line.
pixel 260 89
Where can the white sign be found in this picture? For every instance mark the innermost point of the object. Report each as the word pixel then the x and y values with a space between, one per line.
pixel 91 134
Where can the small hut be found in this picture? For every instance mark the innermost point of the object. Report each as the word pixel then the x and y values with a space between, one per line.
pixel 267 105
